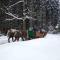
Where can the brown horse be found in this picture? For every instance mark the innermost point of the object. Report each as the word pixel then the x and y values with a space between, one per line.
pixel 41 34
pixel 17 34
pixel 24 35
pixel 13 33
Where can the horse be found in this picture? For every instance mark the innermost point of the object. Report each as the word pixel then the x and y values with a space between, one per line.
pixel 24 35
pixel 11 33
pixel 41 34
pixel 17 34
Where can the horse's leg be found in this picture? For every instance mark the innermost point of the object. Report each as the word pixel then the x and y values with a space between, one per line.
pixel 22 38
pixel 18 39
pixel 12 39
pixel 15 39
pixel 25 38
pixel 9 39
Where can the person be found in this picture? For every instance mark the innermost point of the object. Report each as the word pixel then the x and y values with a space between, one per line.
pixel 30 33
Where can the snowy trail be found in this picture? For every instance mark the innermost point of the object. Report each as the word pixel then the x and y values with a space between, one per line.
pixel 47 48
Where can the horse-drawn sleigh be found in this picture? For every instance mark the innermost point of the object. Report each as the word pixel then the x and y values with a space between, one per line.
pixel 13 33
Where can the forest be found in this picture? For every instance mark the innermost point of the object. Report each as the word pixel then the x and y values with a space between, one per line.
pixel 22 14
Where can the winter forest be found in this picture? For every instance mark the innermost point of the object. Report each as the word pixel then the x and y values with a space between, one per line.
pixel 30 17
pixel 29 29
pixel 40 13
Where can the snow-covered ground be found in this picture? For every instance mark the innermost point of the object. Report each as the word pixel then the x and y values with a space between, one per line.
pixel 47 48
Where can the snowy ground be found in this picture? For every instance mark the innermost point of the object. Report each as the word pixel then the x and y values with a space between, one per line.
pixel 47 48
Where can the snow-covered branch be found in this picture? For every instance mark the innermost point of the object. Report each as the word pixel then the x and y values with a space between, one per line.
pixel 28 10
pixel 10 14
pixel 10 19
pixel 6 10
pixel 15 4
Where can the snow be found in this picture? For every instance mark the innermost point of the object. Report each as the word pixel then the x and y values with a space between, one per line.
pixel 47 48
pixel 3 39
